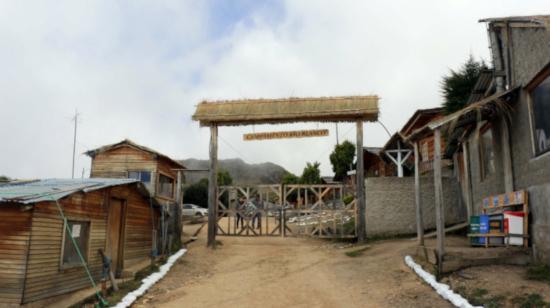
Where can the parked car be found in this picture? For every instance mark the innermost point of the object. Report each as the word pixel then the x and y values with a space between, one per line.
pixel 193 210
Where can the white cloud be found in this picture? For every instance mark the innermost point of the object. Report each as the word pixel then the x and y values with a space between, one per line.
pixel 136 69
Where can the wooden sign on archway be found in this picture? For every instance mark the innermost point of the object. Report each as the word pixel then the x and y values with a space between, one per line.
pixel 286 134
pixel 356 109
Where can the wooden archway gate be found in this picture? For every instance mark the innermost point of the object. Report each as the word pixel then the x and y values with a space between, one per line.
pixel 356 109
pixel 286 210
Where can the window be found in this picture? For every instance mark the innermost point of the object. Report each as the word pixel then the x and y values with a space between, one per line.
pixel 487 152
pixel 166 186
pixel 144 176
pixel 540 97
pixel 80 231
pixel 424 152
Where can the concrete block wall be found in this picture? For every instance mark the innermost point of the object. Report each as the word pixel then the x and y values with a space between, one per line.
pixel 540 224
pixel 391 207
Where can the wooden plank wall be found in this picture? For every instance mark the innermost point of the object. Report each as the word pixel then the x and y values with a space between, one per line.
pixel 15 233
pixel 139 225
pixel 44 276
pixel 431 150
pixel 115 163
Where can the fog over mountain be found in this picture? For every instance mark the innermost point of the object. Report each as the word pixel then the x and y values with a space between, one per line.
pixel 241 172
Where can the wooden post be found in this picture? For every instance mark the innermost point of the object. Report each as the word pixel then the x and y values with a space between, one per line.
pixel 467 181
pixel 506 156
pixel 439 212
pixel 212 187
pixel 419 222
pixel 179 223
pixel 361 211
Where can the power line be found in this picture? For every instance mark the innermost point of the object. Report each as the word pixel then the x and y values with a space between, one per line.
pixel 330 149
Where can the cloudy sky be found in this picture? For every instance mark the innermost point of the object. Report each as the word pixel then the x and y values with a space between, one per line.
pixel 137 69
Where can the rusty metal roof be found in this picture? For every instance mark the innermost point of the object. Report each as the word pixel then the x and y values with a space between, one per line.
pixel 54 189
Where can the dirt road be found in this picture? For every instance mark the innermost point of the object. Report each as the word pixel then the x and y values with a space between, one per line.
pixel 291 272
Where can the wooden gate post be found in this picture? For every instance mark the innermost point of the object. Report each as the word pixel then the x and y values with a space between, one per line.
pixel 439 207
pixel 419 221
pixel 179 223
pixel 212 187
pixel 361 202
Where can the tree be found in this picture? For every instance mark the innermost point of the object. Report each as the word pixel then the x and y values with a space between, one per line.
pixel 290 178
pixel 311 174
pixel 224 178
pixel 342 159
pixel 457 86
pixel 197 193
pixel 4 178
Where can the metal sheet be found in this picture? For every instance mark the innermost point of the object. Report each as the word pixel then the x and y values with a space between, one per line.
pixel 54 189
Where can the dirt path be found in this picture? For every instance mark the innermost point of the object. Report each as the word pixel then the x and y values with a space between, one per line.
pixel 290 272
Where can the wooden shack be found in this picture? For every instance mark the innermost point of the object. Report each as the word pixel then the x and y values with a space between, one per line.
pixel 375 165
pixel 418 122
pixel 127 159
pixel 38 259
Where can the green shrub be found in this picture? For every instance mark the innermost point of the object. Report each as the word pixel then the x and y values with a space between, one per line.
pixel 539 272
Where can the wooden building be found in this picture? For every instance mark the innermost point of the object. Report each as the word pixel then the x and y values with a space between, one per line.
pixel 127 159
pixel 397 153
pixel 418 122
pixel 502 133
pixel 375 165
pixel 38 259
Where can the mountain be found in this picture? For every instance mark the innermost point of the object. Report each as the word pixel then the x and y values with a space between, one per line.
pixel 241 172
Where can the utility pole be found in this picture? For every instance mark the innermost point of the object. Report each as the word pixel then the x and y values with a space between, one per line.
pixel 75 119
pixel 337 141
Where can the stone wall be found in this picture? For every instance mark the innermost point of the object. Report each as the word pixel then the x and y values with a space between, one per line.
pixel 530 53
pixel 391 207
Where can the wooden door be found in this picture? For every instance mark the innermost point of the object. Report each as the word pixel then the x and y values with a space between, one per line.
pixel 114 236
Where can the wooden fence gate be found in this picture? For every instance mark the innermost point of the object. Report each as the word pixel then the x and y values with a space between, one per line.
pixel 287 210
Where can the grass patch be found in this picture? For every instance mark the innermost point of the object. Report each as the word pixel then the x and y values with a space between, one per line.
pixel 349 227
pixel 532 300
pixel 481 297
pixel 357 252
pixel 539 272
pixel 124 288
pixel 383 237
pixel 146 272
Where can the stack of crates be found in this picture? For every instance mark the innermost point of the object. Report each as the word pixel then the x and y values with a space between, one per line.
pixel 483 227
pixel 474 228
pixel 496 225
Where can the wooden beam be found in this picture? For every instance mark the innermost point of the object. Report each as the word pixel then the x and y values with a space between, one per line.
pixel 419 221
pixel 361 211
pixel 179 223
pixel 439 212
pixel 467 180
pixel 506 156
pixel 212 187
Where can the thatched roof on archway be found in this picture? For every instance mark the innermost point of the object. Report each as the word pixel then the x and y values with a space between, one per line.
pixel 288 110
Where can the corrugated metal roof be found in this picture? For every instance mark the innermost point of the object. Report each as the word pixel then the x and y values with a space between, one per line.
pixel 373 150
pixel 536 19
pixel 54 189
pixel 484 81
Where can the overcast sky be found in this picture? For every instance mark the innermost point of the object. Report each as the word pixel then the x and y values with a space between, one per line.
pixel 136 69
